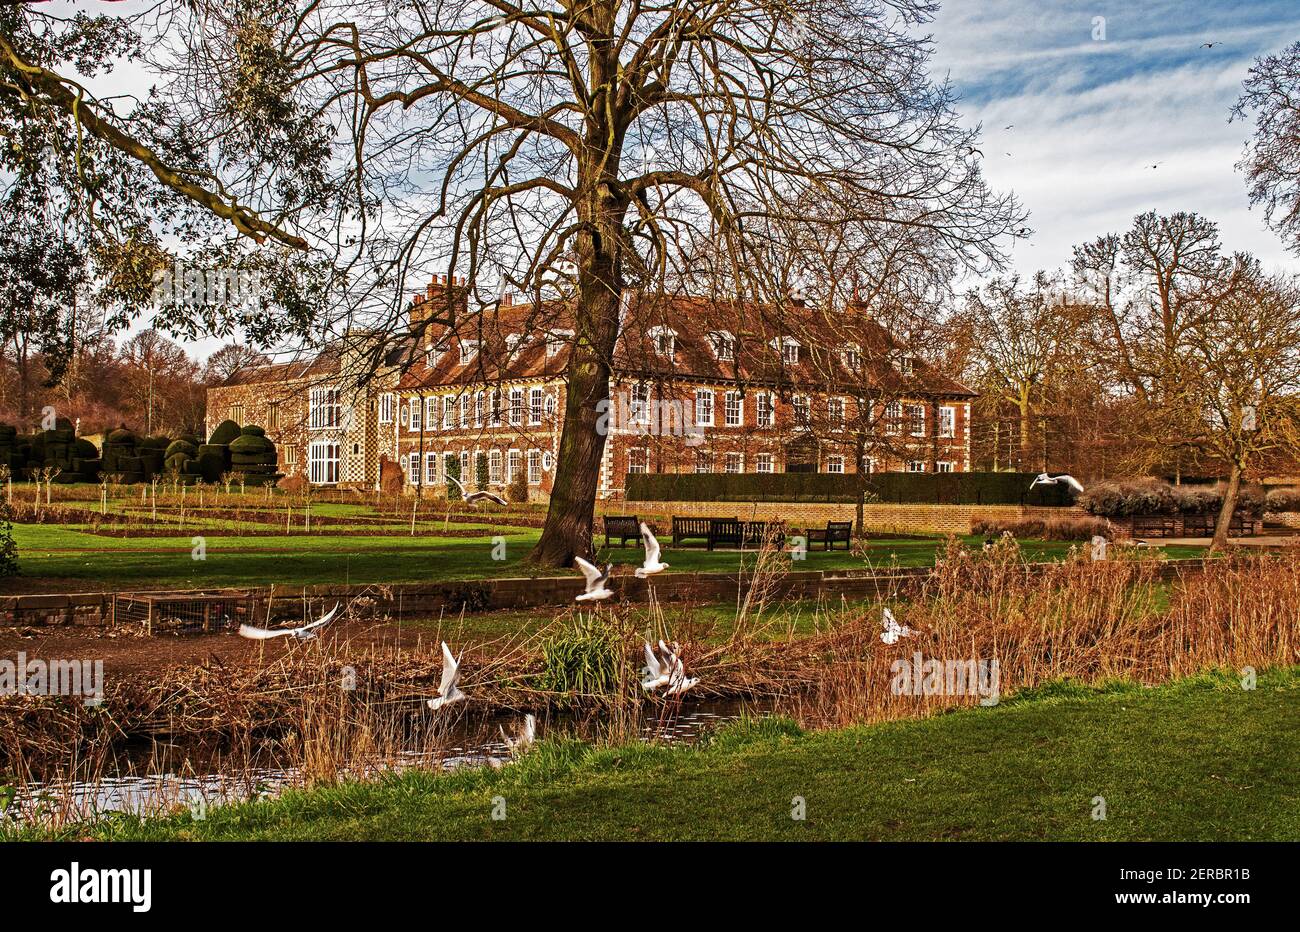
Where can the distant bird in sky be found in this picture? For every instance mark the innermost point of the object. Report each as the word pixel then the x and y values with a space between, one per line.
pixel 1210 45
pixel 1156 165
pixel 652 563
pixel 447 689
pixel 524 737
pixel 1008 126
pixel 474 499
pixel 1045 479
pixel 971 150
pixel 304 633
pixel 893 630
pixel 597 582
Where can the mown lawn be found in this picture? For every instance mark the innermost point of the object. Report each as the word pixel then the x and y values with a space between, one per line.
pixel 125 562
pixel 1202 759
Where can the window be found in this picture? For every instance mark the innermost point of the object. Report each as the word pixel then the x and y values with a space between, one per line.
pixel 386 408
pixel 448 412
pixel 290 455
pixel 734 410
pixel 704 407
pixel 534 467
pixel 852 357
pixel 237 413
pixel 431 412
pixel 893 417
pixel 916 466
pixel 323 408
pixel 323 462
pixel 733 463
pixel 557 341
pixel 413 468
pixel 947 421
pixel 465 475
pixel 835 464
pixel 550 406
pixel 512 465
pixel 414 419
pixel 495 416
pixel 790 352
pixel 468 349
pixel 664 341
pixel 907 365
pixel 513 342
pixel 916 420
pixel 835 413
pixel 638 460
pixel 494 467
pixel 463 417
pixel 516 406
pixel 273 415
pixel 763 462
pixel 432 356
pixel 478 409
pixel 431 469
pixel 703 461
pixel 801 411
pixel 766 409
pixel 724 346
pixel 945 466
pixel 535 405
pixel 639 408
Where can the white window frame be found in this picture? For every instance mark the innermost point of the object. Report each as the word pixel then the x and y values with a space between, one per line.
pixel 915 416
pixel 916 465
pixel 319 468
pixel 947 421
pixel 802 410
pixel 639 407
pixel 703 458
pixel 431 412
pixel 765 463
pixel 836 411
pixel 893 417
pixel 835 464
pixel 765 412
pixel 945 466
pixel 638 453
pixel 413 469
pixel 737 458
pixel 733 409
pixel 462 411
pixel 724 345
pixel 494 467
pixel 514 462
pixel 431 468
pixel 413 422
pixel 448 412
pixel 534 467
pixel 536 406
pixel 664 341
pixel 468 350
pixel 704 407
pixel 324 410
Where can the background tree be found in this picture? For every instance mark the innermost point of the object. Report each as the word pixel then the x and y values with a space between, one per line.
pixel 1271 161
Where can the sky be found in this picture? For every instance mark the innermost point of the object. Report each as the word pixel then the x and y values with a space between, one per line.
pixel 1091 116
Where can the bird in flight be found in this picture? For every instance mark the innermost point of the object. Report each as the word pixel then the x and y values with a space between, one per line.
pixel 1045 479
pixel 474 499
pixel 657 670
pixel 447 689
pixel 303 633
pixel 1008 126
pixel 893 630
pixel 1210 45
pixel 597 582
pixel 524 737
pixel 652 562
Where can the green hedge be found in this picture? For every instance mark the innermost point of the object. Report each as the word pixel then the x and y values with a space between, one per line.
pixel 962 488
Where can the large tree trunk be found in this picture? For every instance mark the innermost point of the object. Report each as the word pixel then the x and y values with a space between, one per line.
pixel 1220 541
pixel 567 532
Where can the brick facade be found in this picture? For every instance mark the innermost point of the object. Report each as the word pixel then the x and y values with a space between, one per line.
pixel 686 396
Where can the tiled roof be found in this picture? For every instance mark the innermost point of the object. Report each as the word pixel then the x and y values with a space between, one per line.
pixel 325 362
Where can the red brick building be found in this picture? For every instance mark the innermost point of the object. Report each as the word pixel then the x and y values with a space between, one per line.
pixel 698 386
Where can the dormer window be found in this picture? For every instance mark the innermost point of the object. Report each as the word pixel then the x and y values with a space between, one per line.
pixel 852 357
pixel 907 365
pixel 789 349
pixel 432 355
pixel 664 340
pixel 557 341
pixel 513 342
pixel 468 350
pixel 724 346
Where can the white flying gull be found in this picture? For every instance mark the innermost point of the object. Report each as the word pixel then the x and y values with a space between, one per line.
pixel 447 691
pixel 597 582
pixel 893 630
pixel 678 682
pixel 1045 479
pixel 657 672
pixel 652 562
pixel 527 734
pixel 305 633
pixel 474 499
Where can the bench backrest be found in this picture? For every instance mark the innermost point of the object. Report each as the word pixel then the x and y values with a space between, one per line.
pixel 622 523
pixel 839 527
pixel 690 525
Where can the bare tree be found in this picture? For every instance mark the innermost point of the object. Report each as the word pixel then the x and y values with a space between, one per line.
pixel 1271 161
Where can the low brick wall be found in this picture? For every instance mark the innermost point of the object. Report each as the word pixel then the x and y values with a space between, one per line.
pixel 899 519
pixel 427 600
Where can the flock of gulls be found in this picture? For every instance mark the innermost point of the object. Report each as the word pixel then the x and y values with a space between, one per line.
pixel 664 668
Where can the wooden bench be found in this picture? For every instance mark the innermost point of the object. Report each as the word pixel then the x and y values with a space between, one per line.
pixel 690 529
pixel 1155 525
pixel 728 531
pixel 755 532
pixel 622 527
pixel 828 536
